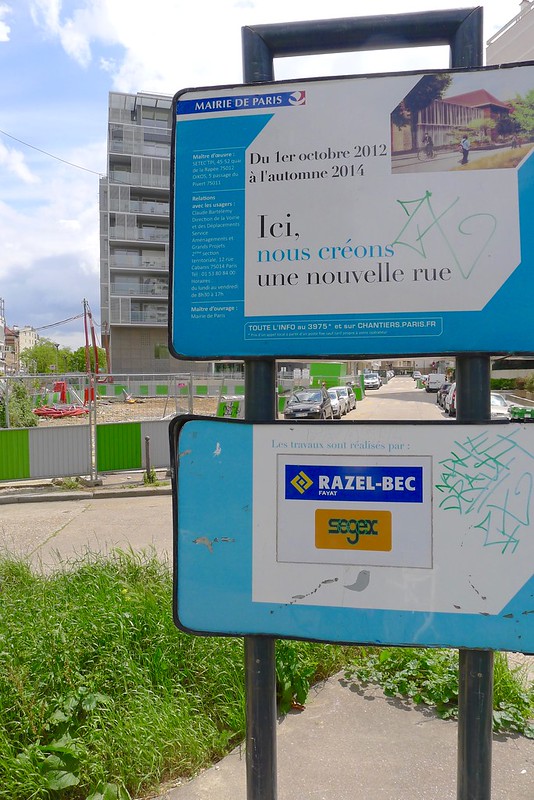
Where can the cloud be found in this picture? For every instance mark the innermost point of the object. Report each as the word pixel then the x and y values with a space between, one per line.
pixel 14 161
pixel 179 44
pixel 90 22
pixel 59 216
pixel 5 30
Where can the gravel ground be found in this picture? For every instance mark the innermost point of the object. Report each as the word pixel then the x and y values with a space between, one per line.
pixel 156 408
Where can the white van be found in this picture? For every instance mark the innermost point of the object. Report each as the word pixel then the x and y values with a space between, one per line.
pixel 434 381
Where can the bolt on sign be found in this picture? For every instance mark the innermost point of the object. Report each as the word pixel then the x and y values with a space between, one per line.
pixel 341 215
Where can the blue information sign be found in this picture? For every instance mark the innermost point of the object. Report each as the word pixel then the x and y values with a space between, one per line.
pixel 402 534
pixel 302 227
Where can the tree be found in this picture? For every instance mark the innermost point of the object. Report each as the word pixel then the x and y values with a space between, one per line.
pixel 20 408
pixel 482 127
pixel 46 357
pixel 77 360
pixel 428 89
pixel 523 112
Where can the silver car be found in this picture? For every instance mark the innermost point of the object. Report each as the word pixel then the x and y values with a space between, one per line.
pixel 347 395
pixel 337 403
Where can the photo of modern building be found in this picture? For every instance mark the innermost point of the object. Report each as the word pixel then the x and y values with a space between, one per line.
pixel 437 127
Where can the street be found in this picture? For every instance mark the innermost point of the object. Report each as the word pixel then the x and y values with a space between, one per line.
pixel 398 400
pixel 51 532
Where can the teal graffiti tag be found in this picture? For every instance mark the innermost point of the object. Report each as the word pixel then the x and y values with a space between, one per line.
pixel 479 478
pixel 423 219
pixel 502 522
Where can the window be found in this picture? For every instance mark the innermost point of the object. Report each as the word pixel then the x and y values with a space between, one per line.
pixel 161 351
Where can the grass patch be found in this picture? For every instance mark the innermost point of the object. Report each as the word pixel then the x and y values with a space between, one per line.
pixel 505 159
pixel 430 676
pixel 68 484
pixel 102 698
pixel 99 689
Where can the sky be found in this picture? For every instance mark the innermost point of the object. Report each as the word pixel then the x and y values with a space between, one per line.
pixel 59 59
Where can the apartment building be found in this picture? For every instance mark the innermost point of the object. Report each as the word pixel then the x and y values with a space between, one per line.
pixel 134 234
pixel 28 337
pixel 515 40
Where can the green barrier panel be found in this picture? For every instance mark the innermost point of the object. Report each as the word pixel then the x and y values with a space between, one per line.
pixel 15 450
pixel 183 390
pixel 201 390
pixel 240 389
pixel 102 390
pixel 162 389
pixel 118 446
pixel 143 389
pixel 522 413
pixel 118 390
pixel 228 408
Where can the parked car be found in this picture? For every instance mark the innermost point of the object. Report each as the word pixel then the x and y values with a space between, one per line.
pixel 442 393
pixel 309 404
pixel 450 401
pixel 371 380
pixel 338 403
pixel 434 381
pixel 347 394
pixel 500 407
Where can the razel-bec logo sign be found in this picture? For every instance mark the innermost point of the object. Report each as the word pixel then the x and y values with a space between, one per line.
pixel 301 482
pixel 343 529
pixel 369 484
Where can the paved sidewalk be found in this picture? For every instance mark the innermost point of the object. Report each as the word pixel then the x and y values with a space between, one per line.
pixel 353 744
pixel 121 484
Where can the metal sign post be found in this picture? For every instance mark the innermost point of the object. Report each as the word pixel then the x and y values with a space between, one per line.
pixel 475 689
pixel 462 30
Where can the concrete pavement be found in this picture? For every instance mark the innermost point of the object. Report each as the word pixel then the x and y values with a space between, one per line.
pixel 352 744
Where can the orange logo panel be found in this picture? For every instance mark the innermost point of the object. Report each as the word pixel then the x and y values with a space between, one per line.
pixel 352 530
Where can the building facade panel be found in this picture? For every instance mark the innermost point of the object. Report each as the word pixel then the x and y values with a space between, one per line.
pixel 134 234
pixel 515 41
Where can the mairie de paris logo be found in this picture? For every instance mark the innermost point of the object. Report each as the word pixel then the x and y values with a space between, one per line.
pixel 301 482
pixel 297 99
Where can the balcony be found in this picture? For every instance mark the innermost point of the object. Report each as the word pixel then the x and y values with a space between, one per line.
pixel 136 262
pixel 132 290
pixel 138 207
pixel 139 234
pixel 137 318
pixel 139 179
pixel 148 207
pixel 151 150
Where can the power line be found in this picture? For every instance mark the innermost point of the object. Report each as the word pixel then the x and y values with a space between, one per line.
pixel 61 322
pixel 51 155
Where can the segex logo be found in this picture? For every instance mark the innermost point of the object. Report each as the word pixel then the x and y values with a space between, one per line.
pixel 352 530
pixel 387 484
